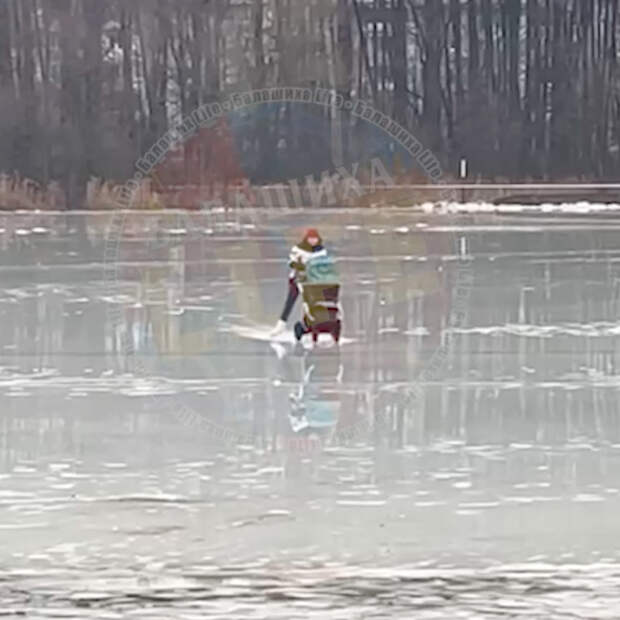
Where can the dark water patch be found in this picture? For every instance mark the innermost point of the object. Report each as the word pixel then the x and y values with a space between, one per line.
pixel 589 592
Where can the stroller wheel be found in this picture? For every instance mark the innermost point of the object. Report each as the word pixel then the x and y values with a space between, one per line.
pixel 299 331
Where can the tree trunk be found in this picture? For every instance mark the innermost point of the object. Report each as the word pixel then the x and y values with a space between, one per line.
pixel 431 73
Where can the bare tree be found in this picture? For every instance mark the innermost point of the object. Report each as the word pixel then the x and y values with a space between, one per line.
pixel 522 88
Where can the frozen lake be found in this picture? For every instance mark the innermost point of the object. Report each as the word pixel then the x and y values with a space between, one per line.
pixel 461 450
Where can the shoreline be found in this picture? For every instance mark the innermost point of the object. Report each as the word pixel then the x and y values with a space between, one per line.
pixel 428 209
pixel 422 198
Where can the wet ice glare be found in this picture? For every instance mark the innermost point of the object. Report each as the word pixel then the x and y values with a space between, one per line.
pixel 496 494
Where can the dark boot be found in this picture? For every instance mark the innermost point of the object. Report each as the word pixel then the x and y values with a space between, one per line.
pixel 300 330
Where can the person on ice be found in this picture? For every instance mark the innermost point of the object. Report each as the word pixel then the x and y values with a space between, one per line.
pixel 310 247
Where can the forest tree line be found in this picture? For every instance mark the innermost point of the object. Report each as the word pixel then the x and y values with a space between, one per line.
pixel 524 89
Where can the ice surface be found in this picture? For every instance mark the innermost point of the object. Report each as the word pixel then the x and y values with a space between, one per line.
pixel 148 462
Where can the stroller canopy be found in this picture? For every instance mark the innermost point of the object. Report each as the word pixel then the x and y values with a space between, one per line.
pixel 321 270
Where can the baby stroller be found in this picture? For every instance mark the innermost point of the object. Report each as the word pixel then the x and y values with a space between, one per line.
pixel 320 289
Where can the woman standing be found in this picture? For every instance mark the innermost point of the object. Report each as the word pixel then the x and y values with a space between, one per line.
pixel 311 246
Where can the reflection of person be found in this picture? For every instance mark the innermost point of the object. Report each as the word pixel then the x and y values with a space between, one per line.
pixel 310 247
pixel 315 406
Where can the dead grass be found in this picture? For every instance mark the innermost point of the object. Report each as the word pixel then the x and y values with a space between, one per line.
pixel 20 193
pixel 104 195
